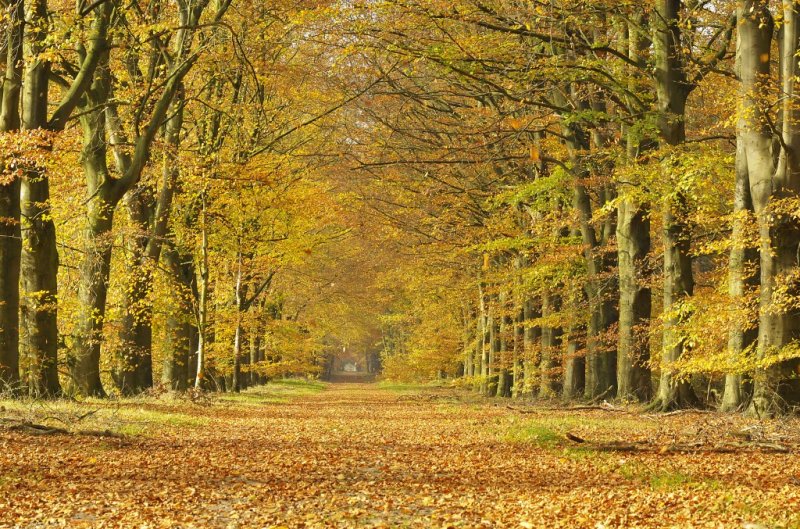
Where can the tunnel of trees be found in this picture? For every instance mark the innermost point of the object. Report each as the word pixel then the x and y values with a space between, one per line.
pixel 572 199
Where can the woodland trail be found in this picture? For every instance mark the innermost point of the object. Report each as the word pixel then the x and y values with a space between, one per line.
pixel 360 456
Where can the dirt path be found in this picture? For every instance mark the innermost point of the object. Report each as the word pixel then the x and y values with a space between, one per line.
pixel 357 456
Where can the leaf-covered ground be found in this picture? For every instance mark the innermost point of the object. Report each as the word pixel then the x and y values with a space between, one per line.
pixel 366 456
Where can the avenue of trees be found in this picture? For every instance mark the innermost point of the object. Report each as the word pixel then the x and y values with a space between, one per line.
pixel 575 199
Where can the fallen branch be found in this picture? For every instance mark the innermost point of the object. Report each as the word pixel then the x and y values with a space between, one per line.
pixel 683 412
pixel 36 429
pixel 520 410
pixel 30 428
pixel 100 433
pixel 601 407
pixel 725 448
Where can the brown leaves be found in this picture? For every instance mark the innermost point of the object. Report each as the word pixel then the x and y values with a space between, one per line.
pixel 357 456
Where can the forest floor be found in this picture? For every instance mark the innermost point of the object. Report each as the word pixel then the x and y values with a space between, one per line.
pixel 349 455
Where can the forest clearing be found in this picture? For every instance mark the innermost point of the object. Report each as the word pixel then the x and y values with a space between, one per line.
pixel 357 455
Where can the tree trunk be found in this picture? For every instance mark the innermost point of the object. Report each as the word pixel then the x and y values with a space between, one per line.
pixel 742 262
pixel 771 179
pixel 574 380
pixel 633 246
pixel 551 344
pixel 92 294
pixel 673 88
pixel 40 255
pixel 518 373
pixel 468 342
pixel 482 344
pixel 574 364
pixel 633 345
pixel 531 346
pixel 674 391
pixel 10 233
pixel 600 362
pixel 150 217
pixel 255 352
pixel 504 379
pixel 134 371
pixel 180 331
pixel 202 309
pixel 493 351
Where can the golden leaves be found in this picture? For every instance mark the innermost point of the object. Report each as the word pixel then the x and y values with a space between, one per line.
pixel 360 456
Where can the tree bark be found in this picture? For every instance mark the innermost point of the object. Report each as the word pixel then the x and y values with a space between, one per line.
pixel 550 343
pixel 10 232
pixel 633 345
pixel 40 260
pixel 95 267
pixel 771 179
pixel 150 217
pixel 673 89
pixel 180 331
pixel 531 347
pixel 202 308
pixel 741 267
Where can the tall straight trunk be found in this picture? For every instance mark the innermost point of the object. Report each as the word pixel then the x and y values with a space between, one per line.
pixel 518 373
pixel 241 306
pixel 40 255
pixel 236 377
pixel 180 331
pixel 600 379
pixel 10 250
pixel 504 379
pixel 261 353
pixel 673 89
pixel 742 261
pixel 255 353
pixel 468 344
pixel 600 362
pixel 244 360
pixel 150 217
pixel 133 370
pixel 531 346
pixel 635 301
pixel 574 367
pixel 771 178
pixel 633 246
pixel 95 267
pixel 202 306
pixel 481 359
pixel 10 232
pixel 574 379
pixel 551 345
pixel 493 351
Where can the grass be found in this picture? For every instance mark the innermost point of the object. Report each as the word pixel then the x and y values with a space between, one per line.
pixel 130 417
pixel 549 431
pixel 533 433
pixel 144 416
pixel 275 392
pixel 402 387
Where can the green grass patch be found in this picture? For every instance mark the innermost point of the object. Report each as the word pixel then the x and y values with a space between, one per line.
pixel 661 479
pixel 549 430
pixel 402 387
pixel 533 433
pixel 131 417
pixel 669 480
pixel 275 392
